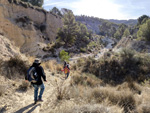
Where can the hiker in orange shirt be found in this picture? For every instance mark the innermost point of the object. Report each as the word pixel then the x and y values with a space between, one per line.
pixel 66 69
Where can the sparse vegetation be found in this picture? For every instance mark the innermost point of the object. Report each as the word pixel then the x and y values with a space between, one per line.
pixel 14 67
pixel 90 108
pixel 144 31
pixel 116 68
pixel 24 86
pixel 63 55
pixel 38 3
pixel 52 65
pixel 61 90
pixel 85 80
pixel 115 83
pixel 1 90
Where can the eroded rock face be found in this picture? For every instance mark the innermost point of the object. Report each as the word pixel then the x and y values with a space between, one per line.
pixel 26 25
pixel 7 50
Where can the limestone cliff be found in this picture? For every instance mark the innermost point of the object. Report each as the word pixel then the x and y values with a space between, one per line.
pixel 27 26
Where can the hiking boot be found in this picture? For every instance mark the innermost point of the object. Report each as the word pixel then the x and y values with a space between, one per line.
pixel 35 102
pixel 40 100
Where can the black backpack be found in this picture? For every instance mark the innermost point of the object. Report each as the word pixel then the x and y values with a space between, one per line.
pixel 32 75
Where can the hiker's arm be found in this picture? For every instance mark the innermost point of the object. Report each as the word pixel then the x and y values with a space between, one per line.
pixel 26 78
pixel 43 74
pixel 68 70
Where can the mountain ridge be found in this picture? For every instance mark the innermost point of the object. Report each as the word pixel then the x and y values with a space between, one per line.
pixel 93 23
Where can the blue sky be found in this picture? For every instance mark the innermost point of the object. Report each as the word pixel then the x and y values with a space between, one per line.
pixel 106 9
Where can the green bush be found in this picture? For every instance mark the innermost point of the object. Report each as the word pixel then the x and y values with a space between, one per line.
pixel 63 55
pixel 38 3
pixel 83 50
pixel 144 31
pixel 116 69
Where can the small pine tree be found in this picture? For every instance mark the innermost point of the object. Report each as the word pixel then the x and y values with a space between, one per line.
pixel 144 31
pixel 68 33
pixel 142 19
pixel 63 55
pixel 126 33
pixel 55 10
pixel 117 35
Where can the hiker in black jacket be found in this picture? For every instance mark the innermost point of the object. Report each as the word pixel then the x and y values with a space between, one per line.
pixel 39 83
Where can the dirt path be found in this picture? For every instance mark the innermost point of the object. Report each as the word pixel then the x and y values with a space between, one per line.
pixel 22 102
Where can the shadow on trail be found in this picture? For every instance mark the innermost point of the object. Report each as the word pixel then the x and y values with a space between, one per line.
pixel 28 107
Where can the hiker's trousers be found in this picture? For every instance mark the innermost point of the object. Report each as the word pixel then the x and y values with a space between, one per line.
pixel 36 88
pixel 67 74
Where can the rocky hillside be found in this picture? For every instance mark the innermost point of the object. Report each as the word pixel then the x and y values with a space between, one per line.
pixel 127 22
pixel 7 49
pixel 93 23
pixel 27 26
pixel 128 42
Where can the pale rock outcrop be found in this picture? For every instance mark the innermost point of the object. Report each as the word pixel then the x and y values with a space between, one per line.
pixel 7 49
pixel 27 26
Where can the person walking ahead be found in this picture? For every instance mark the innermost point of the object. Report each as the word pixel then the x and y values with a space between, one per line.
pixel 38 83
pixel 66 69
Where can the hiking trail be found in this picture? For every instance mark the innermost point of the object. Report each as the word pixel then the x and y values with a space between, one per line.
pixel 22 102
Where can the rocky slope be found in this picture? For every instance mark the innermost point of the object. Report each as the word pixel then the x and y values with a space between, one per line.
pixel 128 42
pixel 127 22
pixel 93 23
pixel 26 25
pixel 7 49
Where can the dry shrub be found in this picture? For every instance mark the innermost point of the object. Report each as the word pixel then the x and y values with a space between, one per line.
pixel 78 79
pixel 123 86
pixel 134 87
pixel 24 86
pixel 52 65
pixel 114 70
pixel 61 90
pixel 130 86
pixel 90 108
pixel 124 99
pixel 74 92
pixel 15 67
pixel 144 108
pixel 85 80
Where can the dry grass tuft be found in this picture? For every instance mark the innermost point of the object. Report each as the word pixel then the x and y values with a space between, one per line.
pixel 14 67
pixel 90 108
pixel 124 99
pixel 144 108
pixel 24 86
pixel 130 86
pixel 53 66
pixel 61 90
pixel 134 87
pixel 2 90
pixel 85 80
